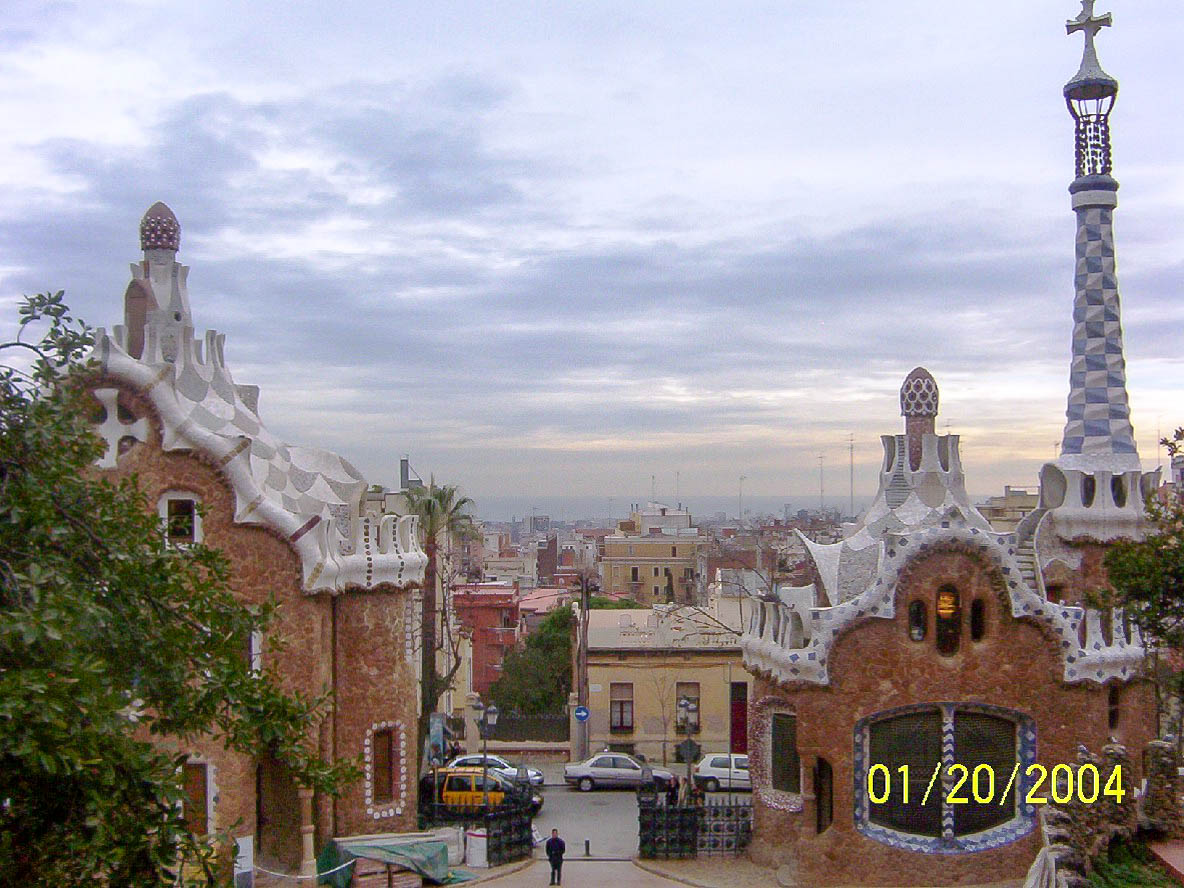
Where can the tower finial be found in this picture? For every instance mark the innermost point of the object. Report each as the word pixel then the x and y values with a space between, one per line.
pixel 1090 96
pixel 159 229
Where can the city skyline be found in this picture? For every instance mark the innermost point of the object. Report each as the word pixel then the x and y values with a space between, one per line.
pixel 562 254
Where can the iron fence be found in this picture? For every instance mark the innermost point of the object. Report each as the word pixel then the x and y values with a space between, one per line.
pixel 715 829
pixel 548 727
pixel 507 827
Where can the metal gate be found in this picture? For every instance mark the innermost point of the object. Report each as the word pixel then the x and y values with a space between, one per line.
pixel 715 829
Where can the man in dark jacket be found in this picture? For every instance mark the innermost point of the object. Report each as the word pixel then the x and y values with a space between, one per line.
pixel 555 848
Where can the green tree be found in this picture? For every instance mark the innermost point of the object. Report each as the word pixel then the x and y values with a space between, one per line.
pixel 536 676
pixel 109 639
pixel 444 520
pixel 1148 581
pixel 603 602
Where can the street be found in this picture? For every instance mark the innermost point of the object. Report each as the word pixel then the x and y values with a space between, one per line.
pixel 607 819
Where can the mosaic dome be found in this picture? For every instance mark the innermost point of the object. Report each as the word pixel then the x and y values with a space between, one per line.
pixel 159 229
pixel 918 394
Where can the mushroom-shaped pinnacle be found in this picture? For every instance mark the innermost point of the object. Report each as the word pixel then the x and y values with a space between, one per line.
pixel 159 229
pixel 918 394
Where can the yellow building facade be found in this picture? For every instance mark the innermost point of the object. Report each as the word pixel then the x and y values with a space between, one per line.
pixel 642 663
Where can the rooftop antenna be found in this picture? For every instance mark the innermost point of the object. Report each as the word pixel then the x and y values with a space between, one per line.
pixel 677 493
pixel 820 485
pixel 740 500
pixel 653 488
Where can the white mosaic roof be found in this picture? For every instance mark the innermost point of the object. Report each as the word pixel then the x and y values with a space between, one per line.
pixel 309 496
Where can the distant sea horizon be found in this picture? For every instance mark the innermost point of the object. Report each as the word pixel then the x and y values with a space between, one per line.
pixel 607 509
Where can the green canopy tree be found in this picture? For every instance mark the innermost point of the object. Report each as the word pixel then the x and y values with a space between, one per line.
pixel 1148 581
pixel 444 519
pixel 110 639
pixel 536 676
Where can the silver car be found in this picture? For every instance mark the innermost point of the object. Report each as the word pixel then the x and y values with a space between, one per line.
pixel 713 773
pixel 611 769
pixel 498 764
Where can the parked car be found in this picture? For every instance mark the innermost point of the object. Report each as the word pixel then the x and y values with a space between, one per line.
pixel 461 790
pixel 496 763
pixel 713 773
pixel 611 769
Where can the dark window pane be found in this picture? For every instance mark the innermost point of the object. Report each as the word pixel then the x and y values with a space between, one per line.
pixel 195 779
pixel 785 768
pixel 824 795
pixel 384 765
pixel 182 516
pixel 918 621
pixel 978 619
pixel 981 739
pixel 913 740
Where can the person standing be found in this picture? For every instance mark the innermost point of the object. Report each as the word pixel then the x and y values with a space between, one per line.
pixel 555 847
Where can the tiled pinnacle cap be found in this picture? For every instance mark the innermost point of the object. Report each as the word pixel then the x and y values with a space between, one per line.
pixel 159 229
pixel 918 395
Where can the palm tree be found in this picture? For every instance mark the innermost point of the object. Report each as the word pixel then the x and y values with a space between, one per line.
pixel 443 517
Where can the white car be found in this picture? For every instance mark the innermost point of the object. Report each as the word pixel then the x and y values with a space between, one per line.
pixel 712 772
pixel 498 764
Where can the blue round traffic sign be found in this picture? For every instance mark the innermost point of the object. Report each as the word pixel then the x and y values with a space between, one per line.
pixel 582 713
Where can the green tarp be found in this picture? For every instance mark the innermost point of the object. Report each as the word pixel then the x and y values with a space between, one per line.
pixel 429 859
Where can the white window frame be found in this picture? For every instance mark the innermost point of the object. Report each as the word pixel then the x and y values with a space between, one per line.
pixel 162 509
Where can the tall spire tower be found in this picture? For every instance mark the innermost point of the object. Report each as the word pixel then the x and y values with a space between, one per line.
pixel 1096 484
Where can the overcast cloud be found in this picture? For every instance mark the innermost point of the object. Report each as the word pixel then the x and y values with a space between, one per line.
pixel 556 248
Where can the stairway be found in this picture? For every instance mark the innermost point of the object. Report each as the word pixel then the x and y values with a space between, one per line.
pixel 1025 555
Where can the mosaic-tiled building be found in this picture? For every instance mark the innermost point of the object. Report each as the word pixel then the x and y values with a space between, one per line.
pixel 292 524
pixel 927 641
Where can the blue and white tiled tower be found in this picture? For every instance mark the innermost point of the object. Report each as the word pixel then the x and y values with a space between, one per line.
pixel 1096 486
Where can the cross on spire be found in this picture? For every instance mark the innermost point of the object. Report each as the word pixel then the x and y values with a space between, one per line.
pixel 1089 23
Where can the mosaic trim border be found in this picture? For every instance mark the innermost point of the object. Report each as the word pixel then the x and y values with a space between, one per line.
pixel 394 807
pixel 760 755
pixel 1019 826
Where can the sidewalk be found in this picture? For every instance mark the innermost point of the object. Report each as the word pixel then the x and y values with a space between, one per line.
pixel 1171 855
pixel 728 872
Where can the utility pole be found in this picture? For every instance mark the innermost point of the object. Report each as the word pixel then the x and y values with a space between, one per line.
pixel 851 450
pixel 653 489
pixel 740 501
pixel 821 458
pixel 582 659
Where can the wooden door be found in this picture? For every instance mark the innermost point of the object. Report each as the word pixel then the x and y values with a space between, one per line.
pixel 739 720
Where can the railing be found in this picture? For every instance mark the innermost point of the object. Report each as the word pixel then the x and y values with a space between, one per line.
pixel 716 829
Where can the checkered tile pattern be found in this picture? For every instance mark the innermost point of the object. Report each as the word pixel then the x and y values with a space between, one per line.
pixel 1098 419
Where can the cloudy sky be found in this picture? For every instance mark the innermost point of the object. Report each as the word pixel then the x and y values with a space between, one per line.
pixel 556 248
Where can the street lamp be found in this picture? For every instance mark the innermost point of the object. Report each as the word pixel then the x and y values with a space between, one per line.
pixel 488 719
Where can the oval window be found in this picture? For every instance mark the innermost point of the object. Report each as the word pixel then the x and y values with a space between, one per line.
pixel 978 619
pixel 949 620
pixel 1118 490
pixel 918 621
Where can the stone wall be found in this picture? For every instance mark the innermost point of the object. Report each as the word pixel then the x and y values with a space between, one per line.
pixel 875 667
pixel 374 679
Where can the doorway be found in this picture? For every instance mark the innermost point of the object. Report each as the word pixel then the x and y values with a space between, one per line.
pixel 739 719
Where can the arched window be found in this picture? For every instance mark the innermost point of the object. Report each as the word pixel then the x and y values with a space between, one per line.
pixel 918 621
pixel 1088 488
pixel 1118 491
pixel 978 619
pixel 949 620
pixel 908 744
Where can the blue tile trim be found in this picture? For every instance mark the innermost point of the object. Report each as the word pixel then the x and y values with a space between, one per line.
pixel 1019 826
